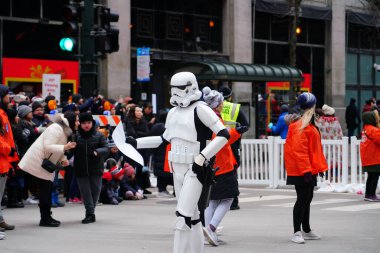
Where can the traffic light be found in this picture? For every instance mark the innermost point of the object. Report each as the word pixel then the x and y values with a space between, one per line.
pixel 108 39
pixel 70 27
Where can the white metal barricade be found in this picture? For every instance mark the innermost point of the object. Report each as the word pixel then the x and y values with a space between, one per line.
pixel 262 161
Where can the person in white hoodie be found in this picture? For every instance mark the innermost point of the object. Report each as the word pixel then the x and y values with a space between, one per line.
pixel 51 144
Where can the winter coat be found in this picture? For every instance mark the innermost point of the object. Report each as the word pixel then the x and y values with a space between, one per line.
pixel 137 129
pixel 226 182
pixel 352 113
pixel 85 161
pixel 27 137
pixel 6 144
pixel 330 128
pixel 303 150
pixel 370 149
pixel 50 142
pixel 281 127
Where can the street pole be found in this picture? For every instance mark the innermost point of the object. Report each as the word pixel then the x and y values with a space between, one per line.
pixel 88 61
pixel 295 7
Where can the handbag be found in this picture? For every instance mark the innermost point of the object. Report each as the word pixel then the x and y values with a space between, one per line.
pixel 48 165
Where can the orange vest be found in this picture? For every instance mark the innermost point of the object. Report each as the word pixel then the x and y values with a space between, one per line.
pixel 370 146
pixel 303 150
pixel 225 159
pixel 6 143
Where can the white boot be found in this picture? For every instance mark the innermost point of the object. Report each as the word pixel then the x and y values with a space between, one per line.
pixel 197 238
pixel 182 236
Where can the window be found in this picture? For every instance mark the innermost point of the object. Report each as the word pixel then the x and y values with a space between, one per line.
pixel 280 28
pixel 366 67
pixel 262 27
pixel 26 8
pixel 351 69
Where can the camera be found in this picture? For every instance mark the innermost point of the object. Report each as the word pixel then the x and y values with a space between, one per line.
pixel 376 67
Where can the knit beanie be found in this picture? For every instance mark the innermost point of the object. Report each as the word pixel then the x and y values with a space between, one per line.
pixel 117 173
pixel 85 116
pixel 129 170
pixel 23 111
pixel 212 97
pixel 306 100
pixel 36 105
pixel 327 110
pixel 227 92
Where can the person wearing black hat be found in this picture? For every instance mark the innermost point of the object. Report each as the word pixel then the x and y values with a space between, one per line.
pixel 15 182
pixel 39 117
pixel 8 153
pixel 233 117
pixel 352 117
pixel 89 157
pixel 79 102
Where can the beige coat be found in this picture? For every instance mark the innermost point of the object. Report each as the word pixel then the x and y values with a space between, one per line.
pixel 51 141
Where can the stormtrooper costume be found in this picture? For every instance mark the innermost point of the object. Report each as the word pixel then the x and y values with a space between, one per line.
pixel 189 126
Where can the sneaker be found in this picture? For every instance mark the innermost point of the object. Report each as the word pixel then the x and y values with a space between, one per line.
pixel 147 192
pixel 77 201
pixel 2 235
pixel 310 236
pixel 211 236
pixel 219 230
pixel 372 198
pixel 164 194
pixel 297 238
pixel 32 200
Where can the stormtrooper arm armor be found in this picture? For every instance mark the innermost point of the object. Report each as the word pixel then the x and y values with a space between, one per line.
pixel 150 142
pixel 210 119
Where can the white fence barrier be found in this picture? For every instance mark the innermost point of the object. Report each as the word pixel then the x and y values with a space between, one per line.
pixel 262 162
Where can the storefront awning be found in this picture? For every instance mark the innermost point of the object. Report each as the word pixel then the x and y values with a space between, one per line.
pixel 363 18
pixel 283 8
pixel 241 72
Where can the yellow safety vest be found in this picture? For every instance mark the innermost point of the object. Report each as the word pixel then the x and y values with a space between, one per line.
pixel 230 113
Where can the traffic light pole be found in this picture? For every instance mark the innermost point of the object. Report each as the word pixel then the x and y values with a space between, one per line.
pixel 88 61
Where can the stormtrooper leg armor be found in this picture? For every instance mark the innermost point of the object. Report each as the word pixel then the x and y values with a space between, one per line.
pixel 188 228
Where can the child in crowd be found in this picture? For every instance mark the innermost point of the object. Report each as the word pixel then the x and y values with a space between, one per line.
pixel 129 189
pixel 110 184
pixel 88 163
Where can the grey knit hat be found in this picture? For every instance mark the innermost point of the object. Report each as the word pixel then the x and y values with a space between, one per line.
pixel 23 110
pixel 212 97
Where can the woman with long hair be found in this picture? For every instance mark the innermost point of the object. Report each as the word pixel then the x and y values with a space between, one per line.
pixel 51 144
pixel 304 160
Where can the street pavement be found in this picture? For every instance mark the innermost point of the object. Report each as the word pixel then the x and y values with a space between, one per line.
pixel 346 223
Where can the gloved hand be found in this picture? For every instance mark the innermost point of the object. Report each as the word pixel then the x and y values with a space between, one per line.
pixel 242 129
pixel 132 141
pixel 321 174
pixel 199 171
pixel 307 177
pixel 13 152
pixel 270 125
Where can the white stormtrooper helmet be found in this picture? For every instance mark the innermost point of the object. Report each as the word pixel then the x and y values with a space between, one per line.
pixel 184 89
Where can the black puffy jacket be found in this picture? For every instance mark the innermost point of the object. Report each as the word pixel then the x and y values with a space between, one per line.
pixel 85 162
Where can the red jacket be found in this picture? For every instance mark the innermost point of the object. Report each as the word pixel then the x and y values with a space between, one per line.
pixel 225 159
pixel 303 151
pixel 6 143
pixel 370 146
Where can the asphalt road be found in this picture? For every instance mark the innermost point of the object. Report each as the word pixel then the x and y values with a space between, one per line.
pixel 346 223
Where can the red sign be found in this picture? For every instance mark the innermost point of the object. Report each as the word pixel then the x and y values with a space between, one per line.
pixel 31 70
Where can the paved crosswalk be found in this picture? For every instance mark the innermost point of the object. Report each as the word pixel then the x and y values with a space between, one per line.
pixel 286 198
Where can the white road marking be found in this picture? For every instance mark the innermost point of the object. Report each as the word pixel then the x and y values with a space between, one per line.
pixel 355 208
pixel 314 203
pixel 265 198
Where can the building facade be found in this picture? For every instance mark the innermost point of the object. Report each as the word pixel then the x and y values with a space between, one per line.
pixel 337 46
